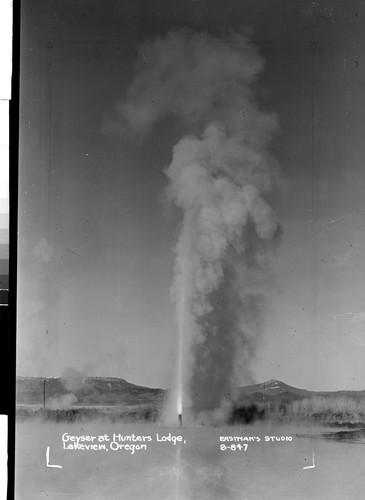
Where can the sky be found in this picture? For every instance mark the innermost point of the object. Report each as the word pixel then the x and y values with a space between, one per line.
pixel 97 231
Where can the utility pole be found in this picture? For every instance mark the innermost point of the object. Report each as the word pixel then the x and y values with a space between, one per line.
pixel 44 379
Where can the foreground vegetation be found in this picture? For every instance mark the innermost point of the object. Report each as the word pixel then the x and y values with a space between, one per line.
pixel 74 397
pixel 148 413
pixel 333 410
pixel 328 410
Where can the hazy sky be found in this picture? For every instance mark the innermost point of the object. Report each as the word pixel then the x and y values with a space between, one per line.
pixel 96 232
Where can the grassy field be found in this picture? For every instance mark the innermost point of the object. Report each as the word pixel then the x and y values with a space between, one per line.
pixel 324 410
pixel 332 409
pixel 141 413
pixel 327 410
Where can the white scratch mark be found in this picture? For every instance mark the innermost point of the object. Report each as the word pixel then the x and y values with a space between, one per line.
pixel 332 221
pixel 357 317
pixel 145 58
pixel 48 464
pixel 313 464
pixel 344 314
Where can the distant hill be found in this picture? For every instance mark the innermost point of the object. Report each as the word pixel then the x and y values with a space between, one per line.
pixel 275 391
pixel 84 391
pixel 109 391
pixel 270 391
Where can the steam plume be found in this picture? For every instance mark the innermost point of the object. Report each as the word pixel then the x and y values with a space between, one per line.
pixel 218 177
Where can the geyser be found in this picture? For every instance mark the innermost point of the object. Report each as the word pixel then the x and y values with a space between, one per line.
pixel 218 177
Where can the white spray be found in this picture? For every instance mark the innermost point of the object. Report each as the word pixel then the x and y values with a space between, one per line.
pixel 218 176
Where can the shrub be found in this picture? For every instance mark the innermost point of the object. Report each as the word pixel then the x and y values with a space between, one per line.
pixel 246 414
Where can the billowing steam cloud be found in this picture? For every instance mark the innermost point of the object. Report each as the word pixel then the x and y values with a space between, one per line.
pixel 218 176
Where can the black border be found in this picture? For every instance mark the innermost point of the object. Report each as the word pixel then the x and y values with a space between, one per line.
pixel 9 364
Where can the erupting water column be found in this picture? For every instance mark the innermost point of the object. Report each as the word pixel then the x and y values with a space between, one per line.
pixel 181 325
pixel 182 290
pixel 179 400
pixel 182 334
pixel 220 171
